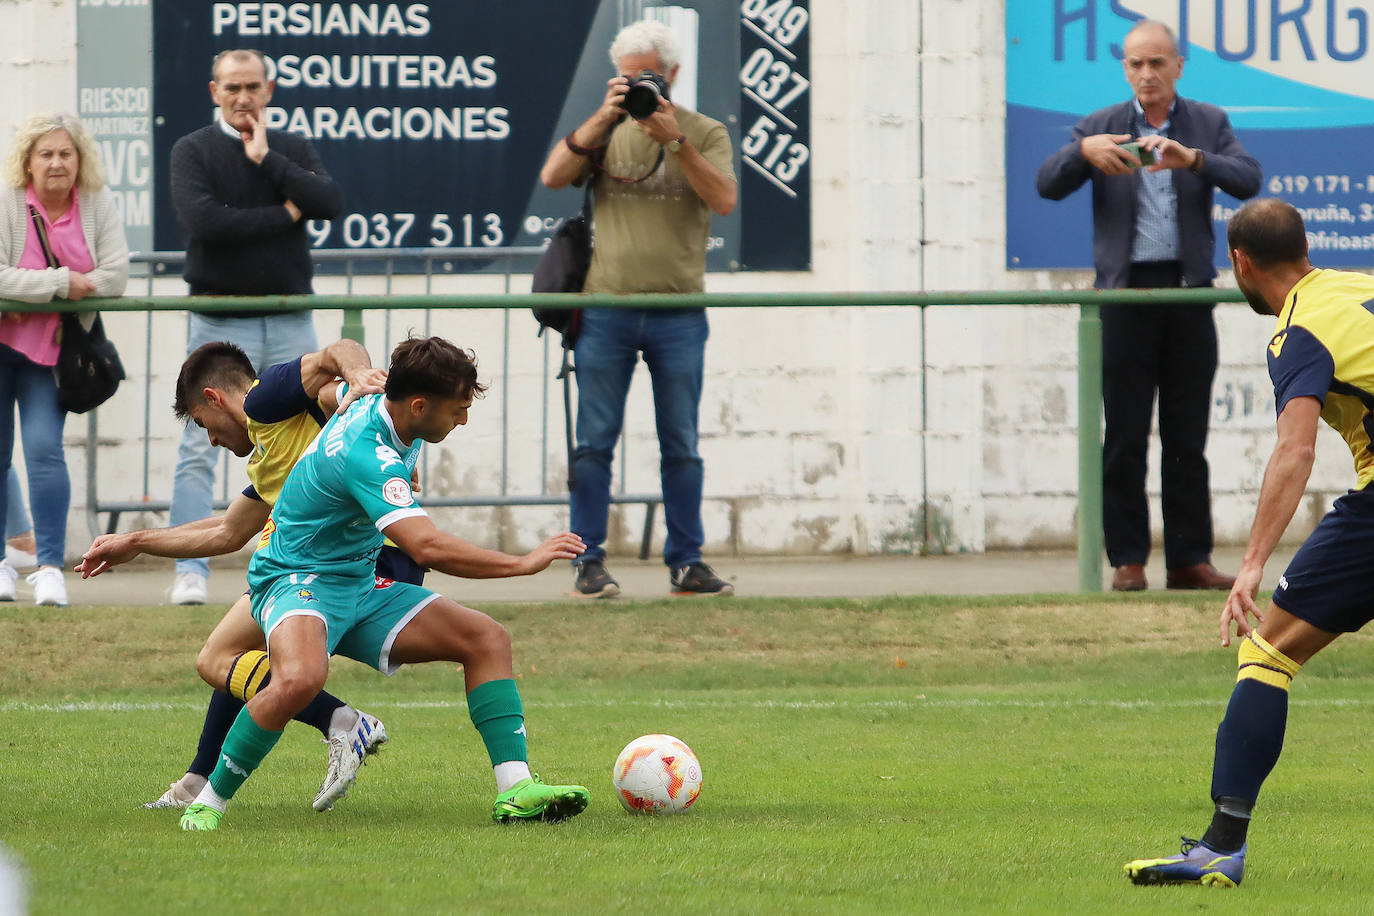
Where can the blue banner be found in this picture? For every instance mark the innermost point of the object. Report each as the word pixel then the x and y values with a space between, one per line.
pixel 1294 81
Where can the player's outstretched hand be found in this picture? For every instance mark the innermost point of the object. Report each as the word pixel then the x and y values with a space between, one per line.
pixel 106 551
pixel 363 382
pixel 1240 603
pixel 563 546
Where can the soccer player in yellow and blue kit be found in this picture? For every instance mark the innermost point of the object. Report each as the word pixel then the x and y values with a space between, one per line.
pixel 314 594
pixel 1321 360
pixel 270 420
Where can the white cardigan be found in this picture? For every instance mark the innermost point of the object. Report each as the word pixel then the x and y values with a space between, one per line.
pixel 104 232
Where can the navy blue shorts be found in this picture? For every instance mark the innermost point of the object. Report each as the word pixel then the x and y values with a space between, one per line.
pixel 1330 583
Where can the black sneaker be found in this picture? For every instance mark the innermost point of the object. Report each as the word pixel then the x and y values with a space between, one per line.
pixel 698 579
pixel 594 582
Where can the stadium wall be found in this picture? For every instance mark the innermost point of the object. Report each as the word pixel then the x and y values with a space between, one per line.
pixel 812 443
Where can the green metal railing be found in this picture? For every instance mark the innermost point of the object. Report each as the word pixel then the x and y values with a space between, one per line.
pixel 1089 341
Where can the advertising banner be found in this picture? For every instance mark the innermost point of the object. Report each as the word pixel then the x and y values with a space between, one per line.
pixel 436 117
pixel 1295 79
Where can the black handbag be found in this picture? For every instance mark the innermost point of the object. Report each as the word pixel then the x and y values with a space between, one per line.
pixel 88 369
pixel 562 268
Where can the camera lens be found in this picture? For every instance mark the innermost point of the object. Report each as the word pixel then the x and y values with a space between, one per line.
pixel 642 99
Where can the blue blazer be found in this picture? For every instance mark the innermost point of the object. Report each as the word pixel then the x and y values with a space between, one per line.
pixel 1225 165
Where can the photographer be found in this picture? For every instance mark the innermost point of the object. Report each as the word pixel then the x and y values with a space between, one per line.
pixel 657 173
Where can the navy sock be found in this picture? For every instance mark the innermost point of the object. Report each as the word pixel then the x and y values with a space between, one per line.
pixel 219 716
pixel 1249 740
pixel 319 711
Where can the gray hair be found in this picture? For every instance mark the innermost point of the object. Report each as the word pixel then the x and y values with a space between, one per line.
pixel 239 54
pixel 1154 24
pixel 90 174
pixel 648 36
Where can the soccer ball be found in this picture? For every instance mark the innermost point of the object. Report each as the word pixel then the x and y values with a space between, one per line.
pixel 656 774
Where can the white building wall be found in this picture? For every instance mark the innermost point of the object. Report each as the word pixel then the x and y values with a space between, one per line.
pixel 823 430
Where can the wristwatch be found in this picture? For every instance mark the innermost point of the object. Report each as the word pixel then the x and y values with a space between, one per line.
pixel 675 144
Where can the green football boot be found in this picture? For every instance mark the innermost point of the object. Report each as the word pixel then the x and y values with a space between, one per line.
pixel 531 800
pixel 201 817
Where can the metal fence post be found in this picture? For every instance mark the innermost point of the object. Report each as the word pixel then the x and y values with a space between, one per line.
pixel 353 325
pixel 1089 448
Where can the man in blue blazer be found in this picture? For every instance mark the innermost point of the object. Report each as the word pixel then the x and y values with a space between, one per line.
pixel 1152 228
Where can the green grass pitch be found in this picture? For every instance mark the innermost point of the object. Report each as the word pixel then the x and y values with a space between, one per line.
pixel 928 755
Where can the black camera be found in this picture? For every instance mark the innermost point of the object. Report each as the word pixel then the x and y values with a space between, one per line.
pixel 645 90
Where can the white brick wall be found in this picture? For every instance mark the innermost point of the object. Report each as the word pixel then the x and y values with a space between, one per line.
pixel 811 419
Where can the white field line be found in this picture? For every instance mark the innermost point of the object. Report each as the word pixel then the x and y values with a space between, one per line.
pixel 914 704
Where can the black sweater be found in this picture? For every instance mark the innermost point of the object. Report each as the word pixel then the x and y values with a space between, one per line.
pixel 240 238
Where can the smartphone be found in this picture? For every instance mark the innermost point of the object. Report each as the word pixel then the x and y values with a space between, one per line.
pixel 1146 156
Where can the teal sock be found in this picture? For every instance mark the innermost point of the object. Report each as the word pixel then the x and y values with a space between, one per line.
pixel 500 719
pixel 244 748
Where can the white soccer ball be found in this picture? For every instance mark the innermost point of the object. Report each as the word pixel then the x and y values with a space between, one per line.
pixel 656 774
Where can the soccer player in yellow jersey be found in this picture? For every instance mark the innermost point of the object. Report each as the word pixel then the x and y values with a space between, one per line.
pixel 1321 360
pixel 269 420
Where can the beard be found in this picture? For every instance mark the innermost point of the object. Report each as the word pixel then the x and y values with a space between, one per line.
pixel 1259 306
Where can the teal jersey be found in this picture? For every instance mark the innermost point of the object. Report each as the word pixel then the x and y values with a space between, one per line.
pixel 350 484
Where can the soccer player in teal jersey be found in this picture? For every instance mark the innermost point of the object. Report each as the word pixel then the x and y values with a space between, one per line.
pixel 270 419
pixel 313 592
pixel 1321 360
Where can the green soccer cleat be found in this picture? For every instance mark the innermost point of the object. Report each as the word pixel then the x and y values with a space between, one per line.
pixel 201 817
pixel 531 800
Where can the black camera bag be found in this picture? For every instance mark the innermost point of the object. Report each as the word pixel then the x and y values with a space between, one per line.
pixel 562 268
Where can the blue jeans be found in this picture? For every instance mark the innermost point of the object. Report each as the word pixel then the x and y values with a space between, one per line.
pixel 267 341
pixel 674 347
pixel 17 519
pixel 33 388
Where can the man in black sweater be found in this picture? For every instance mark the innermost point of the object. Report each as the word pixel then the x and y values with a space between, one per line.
pixel 242 194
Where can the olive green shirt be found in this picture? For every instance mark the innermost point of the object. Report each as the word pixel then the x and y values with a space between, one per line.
pixel 651 235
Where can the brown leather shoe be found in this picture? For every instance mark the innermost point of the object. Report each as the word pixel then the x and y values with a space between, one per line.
pixel 1129 579
pixel 1199 575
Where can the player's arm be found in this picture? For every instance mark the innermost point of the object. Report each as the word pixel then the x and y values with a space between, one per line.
pixel 344 359
pixel 207 537
pixel 447 553
pixel 1285 481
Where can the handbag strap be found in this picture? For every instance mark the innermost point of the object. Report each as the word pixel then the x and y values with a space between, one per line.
pixel 42 230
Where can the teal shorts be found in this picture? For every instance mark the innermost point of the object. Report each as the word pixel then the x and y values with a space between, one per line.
pixel 361 621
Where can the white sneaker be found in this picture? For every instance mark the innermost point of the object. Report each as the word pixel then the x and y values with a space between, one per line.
pixel 347 748
pixel 181 793
pixel 49 588
pixel 189 588
pixel 8 582
pixel 20 559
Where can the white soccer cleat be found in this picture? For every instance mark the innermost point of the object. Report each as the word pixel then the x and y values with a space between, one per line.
pixel 49 588
pixel 347 750
pixel 8 582
pixel 189 588
pixel 179 794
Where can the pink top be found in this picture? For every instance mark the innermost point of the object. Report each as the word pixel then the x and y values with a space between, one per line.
pixel 36 335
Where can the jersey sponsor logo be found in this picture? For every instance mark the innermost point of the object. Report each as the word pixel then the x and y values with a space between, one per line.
pixel 397 491
pixel 1276 345
pixel 1283 582
pixel 383 582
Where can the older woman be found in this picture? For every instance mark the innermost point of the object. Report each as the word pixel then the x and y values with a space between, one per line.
pixel 53 179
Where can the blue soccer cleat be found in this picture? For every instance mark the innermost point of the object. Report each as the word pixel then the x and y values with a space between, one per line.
pixel 1195 864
